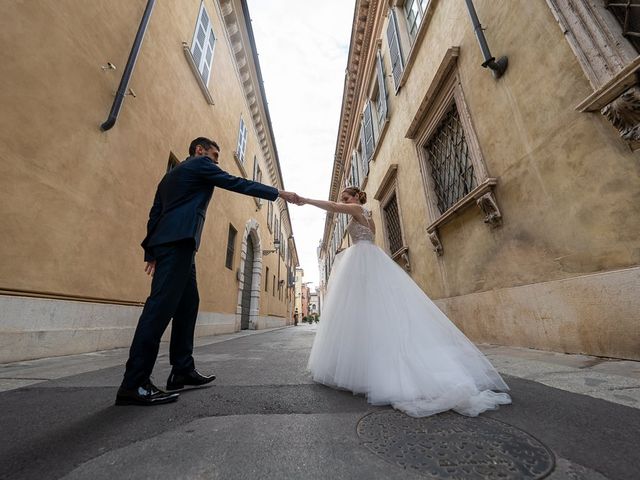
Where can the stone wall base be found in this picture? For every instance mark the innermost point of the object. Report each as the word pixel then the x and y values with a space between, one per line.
pixel 596 314
pixel 39 327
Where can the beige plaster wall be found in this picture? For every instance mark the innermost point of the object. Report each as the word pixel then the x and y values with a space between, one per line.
pixel 75 200
pixel 568 186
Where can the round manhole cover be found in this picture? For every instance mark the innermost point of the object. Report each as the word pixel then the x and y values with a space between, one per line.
pixel 452 446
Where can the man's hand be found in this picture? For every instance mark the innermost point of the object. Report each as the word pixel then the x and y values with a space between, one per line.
pixel 150 268
pixel 290 197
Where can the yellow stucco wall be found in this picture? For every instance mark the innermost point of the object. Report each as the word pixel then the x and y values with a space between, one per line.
pixel 75 200
pixel 568 187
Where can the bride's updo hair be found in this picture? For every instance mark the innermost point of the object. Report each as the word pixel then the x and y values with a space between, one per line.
pixel 356 192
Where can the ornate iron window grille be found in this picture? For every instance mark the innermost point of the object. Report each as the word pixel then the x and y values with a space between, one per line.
pixel 448 157
pixel 628 15
pixel 392 220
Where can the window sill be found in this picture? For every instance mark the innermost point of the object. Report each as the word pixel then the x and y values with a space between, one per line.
pixel 194 69
pixel 483 196
pixel 402 258
pixel 240 164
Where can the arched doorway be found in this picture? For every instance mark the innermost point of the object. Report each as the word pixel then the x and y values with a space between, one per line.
pixel 249 275
pixel 245 314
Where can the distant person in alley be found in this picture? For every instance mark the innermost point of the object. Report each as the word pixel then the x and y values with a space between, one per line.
pixel 174 229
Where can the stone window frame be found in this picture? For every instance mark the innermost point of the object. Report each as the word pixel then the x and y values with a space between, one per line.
pixel 231 246
pixel 444 91
pixel 386 191
pixel 608 60
pixel 188 50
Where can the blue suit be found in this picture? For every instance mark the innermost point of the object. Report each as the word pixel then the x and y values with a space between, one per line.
pixel 173 236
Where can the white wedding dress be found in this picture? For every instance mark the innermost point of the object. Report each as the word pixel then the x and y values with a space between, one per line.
pixel 380 335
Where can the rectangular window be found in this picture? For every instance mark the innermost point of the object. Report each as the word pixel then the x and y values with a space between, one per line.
pixel 414 12
pixel 202 45
pixel 367 125
pixel 628 15
pixel 392 223
pixel 355 169
pixel 283 246
pixel 242 141
pixel 257 177
pixel 450 161
pixel 270 216
pixel 273 287
pixel 231 247
pixel 266 280
pixel 381 103
pixel 395 52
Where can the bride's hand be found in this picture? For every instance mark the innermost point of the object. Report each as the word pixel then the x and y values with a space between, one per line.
pixel 301 201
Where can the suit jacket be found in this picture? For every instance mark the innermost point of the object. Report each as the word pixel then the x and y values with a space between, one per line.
pixel 181 200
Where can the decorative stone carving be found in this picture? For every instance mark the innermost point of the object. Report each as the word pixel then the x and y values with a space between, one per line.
pixel 435 241
pixel 405 258
pixel 624 114
pixel 489 206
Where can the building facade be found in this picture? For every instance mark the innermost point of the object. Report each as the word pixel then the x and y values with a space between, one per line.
pixel 512 197
pixel 76 189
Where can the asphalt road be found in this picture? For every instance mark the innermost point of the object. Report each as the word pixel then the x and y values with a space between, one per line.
pixel 264 418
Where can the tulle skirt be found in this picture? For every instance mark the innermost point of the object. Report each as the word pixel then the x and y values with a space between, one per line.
pixel 381 336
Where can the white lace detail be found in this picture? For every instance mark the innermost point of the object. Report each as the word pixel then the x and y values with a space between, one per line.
pixel 359 232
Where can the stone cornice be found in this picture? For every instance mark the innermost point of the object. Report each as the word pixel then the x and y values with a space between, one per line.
pixel 364 19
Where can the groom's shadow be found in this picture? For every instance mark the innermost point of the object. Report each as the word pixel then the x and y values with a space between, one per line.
pixel 55 450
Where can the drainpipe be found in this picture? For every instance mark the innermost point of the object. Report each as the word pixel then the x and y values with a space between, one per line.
pixel 497 67
pixel 128 70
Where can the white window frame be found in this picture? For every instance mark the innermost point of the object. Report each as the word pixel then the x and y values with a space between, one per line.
pixel 241 146
pixel 419 18
pixel 207 48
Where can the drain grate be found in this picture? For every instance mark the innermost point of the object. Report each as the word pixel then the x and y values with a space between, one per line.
pixel 451 446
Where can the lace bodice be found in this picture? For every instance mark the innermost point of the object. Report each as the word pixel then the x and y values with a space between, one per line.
pixel 359 232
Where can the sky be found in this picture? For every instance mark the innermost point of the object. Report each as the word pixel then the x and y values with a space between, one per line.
pixel 302 48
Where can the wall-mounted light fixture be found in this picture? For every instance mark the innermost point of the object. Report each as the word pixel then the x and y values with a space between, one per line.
pixel 498 67
pixel 276 247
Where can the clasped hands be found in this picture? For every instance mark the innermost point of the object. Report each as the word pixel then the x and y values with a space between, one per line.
pixel 292 197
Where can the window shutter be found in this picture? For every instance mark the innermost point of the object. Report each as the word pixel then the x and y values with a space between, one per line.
pixel 395 52
pixel 368 132
pixel 382 91
pixel 365 163
pixel 242 141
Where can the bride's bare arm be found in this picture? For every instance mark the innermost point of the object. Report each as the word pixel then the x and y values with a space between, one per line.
pixel 349 208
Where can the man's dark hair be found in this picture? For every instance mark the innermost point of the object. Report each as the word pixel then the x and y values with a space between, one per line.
pixel 204 142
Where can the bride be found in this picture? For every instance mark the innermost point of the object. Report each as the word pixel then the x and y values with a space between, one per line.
pixel 381 336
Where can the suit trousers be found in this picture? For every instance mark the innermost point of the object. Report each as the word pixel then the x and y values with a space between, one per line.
pixel 174 294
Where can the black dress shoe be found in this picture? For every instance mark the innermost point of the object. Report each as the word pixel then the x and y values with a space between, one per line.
pixel 177 381
pixel 146 394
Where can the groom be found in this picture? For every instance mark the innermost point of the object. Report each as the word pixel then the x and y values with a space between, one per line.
pixel 173 236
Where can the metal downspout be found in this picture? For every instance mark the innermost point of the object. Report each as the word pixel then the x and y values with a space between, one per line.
pixel 128 70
